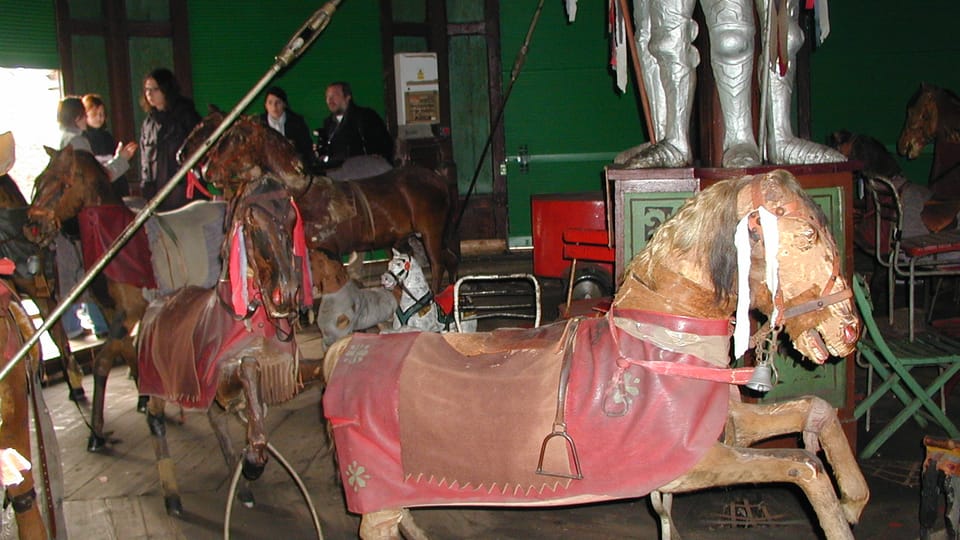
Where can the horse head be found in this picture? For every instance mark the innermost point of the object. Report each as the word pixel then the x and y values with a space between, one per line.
pixel 265 225
pixel 247 150
pixel 72 180
pixel 329 274
pixel 754 242
pixel 923 119
pixel 400 269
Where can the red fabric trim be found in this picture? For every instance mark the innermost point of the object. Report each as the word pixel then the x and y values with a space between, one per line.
pixel 99 227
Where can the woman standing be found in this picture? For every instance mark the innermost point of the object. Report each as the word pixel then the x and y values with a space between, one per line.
pixel 280 117
pixel 72 118
pixel 102 143
pixel 170 117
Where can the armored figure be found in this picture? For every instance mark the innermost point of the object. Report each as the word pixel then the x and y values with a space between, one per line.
pixel 665 31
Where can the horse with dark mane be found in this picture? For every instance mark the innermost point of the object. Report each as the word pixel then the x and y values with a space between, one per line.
pixel 933 116
pixel 636 402
pixel 340 217
pixel 75 185
pixel 235 351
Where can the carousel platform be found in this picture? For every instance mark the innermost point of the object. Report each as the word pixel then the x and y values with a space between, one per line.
pixel 116 494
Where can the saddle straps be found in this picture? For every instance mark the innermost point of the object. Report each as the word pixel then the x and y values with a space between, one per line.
pixel 559 421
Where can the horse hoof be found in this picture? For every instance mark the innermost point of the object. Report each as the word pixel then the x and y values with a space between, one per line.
pixel 142 404
pixel 245 496
pixel 96 443
pixel 77 395
pixel 252 471
pixel 173 505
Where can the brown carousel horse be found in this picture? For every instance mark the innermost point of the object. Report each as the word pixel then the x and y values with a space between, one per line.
pixel 340 217
pixel 19 394
pixel 644 403
pixel 933 116
pixel 74 184
pixel 35 276
pixel 236 353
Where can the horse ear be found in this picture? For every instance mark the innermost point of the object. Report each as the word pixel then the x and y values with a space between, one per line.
pixel 50 151
pixel 395 252
pixel 212 108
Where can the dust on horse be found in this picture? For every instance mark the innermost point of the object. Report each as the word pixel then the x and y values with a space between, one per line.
pixel 345 307
pixel 643 394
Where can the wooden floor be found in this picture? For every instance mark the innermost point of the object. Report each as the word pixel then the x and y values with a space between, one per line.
pixel 115 494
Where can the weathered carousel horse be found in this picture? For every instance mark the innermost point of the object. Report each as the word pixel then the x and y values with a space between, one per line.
pixel 345 307
pixel 644 403
pixel 876 160
pixel 35 276
pixel 74 184
pixel 20 397
pixel 933 116
pixel 340 217
pixel 237 353
pixel 419 307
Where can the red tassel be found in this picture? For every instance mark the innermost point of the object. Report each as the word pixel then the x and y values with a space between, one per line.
pixel 300 250
pixel 238 272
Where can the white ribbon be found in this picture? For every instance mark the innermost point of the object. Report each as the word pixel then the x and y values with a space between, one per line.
pixel 771 244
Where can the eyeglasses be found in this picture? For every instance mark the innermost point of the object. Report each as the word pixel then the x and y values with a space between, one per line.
pixel 150 89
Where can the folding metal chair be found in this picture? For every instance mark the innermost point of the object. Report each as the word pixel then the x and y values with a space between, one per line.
pixel 911 258
pixel 894 360
pixel 510 296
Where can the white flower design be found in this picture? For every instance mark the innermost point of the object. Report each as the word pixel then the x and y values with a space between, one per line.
pixel 355 354
pixel 357 476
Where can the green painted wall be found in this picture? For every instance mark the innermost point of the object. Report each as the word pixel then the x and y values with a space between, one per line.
pixel 563 107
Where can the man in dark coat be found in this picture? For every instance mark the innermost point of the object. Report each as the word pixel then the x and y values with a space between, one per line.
pixel 351 130
pixel 292 125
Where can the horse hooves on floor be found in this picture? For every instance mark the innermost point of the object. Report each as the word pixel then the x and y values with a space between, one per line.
pixel 142 404
pixel 173 505
pixel 245 496
pixel 96 443
pixel 77 395
pixel 252 471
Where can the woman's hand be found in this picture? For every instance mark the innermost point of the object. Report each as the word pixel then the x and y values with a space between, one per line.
pixel 127 150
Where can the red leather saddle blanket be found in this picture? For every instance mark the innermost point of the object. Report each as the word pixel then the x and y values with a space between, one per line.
pixel 430 419
pixel 99 227
pixel 185 369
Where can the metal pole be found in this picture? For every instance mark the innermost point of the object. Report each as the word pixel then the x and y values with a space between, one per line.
pixel 301 40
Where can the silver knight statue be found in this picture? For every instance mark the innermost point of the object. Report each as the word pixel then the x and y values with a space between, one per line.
pixel 665 31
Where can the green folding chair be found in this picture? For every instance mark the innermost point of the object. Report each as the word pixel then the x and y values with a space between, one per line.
pixel 893 359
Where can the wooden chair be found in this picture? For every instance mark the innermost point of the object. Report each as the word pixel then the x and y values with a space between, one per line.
pixel 910 258
pixel 894 361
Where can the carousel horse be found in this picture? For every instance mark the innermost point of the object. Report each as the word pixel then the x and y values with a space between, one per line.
pixel 340 217
pixel 419 308
pixel 637 402
pixel 344 306
pixel 237 353
pixel 74 184
pixel 21 398
pixel 933 116
pixel 35 276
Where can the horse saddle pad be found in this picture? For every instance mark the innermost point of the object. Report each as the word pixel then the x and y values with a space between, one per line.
pixel 99 227
pixel 185 245
pixel 427 419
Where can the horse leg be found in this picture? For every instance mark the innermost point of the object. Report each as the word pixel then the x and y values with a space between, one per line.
pixel 433 245
pixel 218 417
pixel 663 505
pixel 168 478
pixel 16 435
pixel 725 466
pixel 102 363
pixel 255 455
pixel 817 421
pixel 72 372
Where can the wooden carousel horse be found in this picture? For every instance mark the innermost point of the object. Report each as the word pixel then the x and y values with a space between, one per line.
pixel 419 308
pixel 933 116
pixel 345 307
pixel 74 184
pixel 35 276
pixel 236 353
pixel 21 398
pixel 637 402
pixel 340 217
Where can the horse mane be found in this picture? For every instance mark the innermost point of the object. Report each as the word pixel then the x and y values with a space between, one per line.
pixel 703 228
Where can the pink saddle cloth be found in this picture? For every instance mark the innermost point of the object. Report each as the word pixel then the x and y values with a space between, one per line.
pixel 425 419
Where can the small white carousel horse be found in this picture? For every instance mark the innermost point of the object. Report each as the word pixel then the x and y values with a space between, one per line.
pixel 346 307
pixel 644 402
pixel 418 306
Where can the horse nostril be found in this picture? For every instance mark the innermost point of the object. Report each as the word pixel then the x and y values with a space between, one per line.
pixel 277 296
pixel 851 333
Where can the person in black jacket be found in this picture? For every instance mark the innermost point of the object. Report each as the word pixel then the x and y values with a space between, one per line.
pixel 288 123
pixel 170 117
pixel 351 130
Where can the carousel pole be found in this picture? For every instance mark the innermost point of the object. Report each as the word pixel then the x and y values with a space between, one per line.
pixel 301 40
